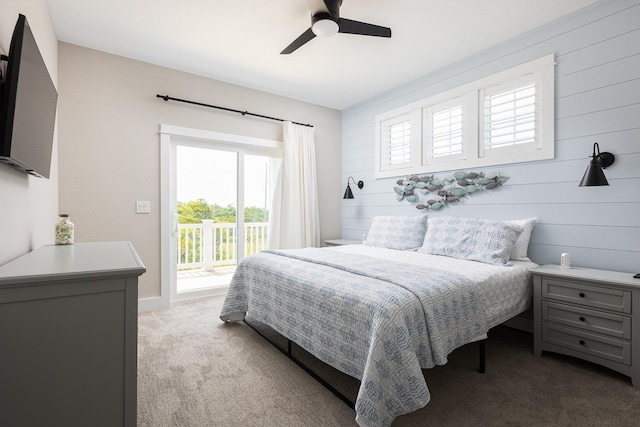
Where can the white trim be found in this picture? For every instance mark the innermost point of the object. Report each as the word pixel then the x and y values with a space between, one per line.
pixel 206 135
pixel 167 216
pixel 150 304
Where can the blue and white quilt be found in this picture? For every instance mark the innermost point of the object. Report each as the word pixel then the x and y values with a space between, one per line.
pixel 366 316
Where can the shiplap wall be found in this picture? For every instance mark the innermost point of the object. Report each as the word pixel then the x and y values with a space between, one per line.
pixel 597 100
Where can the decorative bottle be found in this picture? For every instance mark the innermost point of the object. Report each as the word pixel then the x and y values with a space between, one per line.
pixel 64 230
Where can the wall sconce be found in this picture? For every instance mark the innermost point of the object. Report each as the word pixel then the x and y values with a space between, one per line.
pixel 594 176
pixel 348 194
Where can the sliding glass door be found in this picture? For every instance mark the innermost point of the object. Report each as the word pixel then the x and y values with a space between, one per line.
pixel 220 207
pixel 207 199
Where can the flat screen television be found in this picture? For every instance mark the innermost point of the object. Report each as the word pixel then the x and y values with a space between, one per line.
pixel 28 102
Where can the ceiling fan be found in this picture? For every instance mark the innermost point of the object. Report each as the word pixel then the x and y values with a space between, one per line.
pixel 326 21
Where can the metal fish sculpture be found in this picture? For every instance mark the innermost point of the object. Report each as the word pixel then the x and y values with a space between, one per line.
pixel 450 189
pixel 459 174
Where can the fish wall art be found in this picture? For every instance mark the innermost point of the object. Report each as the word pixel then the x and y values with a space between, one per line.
pixel 434 193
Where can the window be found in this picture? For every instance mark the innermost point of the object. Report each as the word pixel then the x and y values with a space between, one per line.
pixel 399 141
pixel 504 118
pixel 450 128
pixel 510 117
pixel 444 137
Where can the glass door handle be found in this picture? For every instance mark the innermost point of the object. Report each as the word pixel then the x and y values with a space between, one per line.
pixel 174 223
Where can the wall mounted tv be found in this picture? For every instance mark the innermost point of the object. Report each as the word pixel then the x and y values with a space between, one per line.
pixel 28 100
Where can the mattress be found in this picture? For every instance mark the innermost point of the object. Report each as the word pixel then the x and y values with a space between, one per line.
pixel 506 290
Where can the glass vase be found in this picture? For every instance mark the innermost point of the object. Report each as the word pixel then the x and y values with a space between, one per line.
pixel 64 230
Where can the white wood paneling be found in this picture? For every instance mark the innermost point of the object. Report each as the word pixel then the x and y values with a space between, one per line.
pixel 597 100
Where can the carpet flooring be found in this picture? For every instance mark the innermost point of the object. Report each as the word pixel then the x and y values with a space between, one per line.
pixel 194 370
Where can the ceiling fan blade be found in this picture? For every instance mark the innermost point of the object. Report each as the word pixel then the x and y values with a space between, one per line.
pixel 301 40
pixel 356 27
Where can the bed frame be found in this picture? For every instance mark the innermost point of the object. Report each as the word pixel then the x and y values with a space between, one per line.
pixel 289 353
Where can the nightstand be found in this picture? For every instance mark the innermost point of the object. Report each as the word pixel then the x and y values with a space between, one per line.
pixel 590 314
pixel 340 242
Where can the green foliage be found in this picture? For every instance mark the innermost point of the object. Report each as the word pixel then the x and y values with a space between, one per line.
pixel 223 214
pixel 194 211
pixel 255 214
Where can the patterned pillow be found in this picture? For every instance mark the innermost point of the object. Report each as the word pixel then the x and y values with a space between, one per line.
pixel 397 232
pixel 473 239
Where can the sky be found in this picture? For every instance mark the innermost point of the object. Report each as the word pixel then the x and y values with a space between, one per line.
pixel 211 175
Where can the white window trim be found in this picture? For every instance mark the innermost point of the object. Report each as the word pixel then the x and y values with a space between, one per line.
pixel 544 71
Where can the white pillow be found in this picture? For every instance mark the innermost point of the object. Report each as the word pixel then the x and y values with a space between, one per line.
pixel 521 247
pixel 473 239
pixel 397 231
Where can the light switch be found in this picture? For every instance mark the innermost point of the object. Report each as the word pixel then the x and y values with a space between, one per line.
pixel 143 207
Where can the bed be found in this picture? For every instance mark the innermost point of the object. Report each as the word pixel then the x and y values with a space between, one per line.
pixel 383 311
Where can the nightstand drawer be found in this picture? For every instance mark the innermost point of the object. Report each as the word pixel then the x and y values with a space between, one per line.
pixel 613 325
pixel 586 342
pixel 589 295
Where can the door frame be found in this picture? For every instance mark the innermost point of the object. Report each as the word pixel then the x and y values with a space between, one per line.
pixel 170 137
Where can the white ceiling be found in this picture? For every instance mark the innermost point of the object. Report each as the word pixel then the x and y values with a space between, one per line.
pixel 239 41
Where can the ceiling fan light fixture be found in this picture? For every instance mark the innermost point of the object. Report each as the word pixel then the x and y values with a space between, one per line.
pixel 325 27
pixel 326 22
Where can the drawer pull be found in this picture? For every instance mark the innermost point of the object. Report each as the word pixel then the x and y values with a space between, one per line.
pixel 581 342
pixel 582 319
pixel 581 294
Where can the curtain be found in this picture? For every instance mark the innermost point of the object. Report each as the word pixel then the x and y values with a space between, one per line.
pixel 294 219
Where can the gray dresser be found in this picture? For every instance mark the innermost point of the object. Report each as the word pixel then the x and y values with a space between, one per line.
pixel 590 314
pixel 68 336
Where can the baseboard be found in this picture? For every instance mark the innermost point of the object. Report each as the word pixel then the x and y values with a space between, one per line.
pixel 154 303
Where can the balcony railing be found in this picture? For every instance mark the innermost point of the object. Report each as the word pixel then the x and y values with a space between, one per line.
pixel 212 244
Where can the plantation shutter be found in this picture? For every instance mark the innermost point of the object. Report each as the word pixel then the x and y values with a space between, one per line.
pixel 507 117
pixel 510 117
pixel 444 136
pixel 396 143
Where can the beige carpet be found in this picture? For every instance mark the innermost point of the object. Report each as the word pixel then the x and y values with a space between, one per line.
pixel 193 370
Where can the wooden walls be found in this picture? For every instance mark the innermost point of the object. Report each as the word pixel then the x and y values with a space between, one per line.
pixel 597 100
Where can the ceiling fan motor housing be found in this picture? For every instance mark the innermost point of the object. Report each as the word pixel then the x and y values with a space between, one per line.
pixel 324 25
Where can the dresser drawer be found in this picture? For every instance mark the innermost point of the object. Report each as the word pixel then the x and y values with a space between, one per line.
pixel 588 295
pixel 586 342
pixel 614 325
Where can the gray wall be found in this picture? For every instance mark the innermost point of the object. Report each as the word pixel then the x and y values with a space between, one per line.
pixel 28 205
pixel 597 100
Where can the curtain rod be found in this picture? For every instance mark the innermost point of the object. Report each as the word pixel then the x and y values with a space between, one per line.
pixel 244 113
